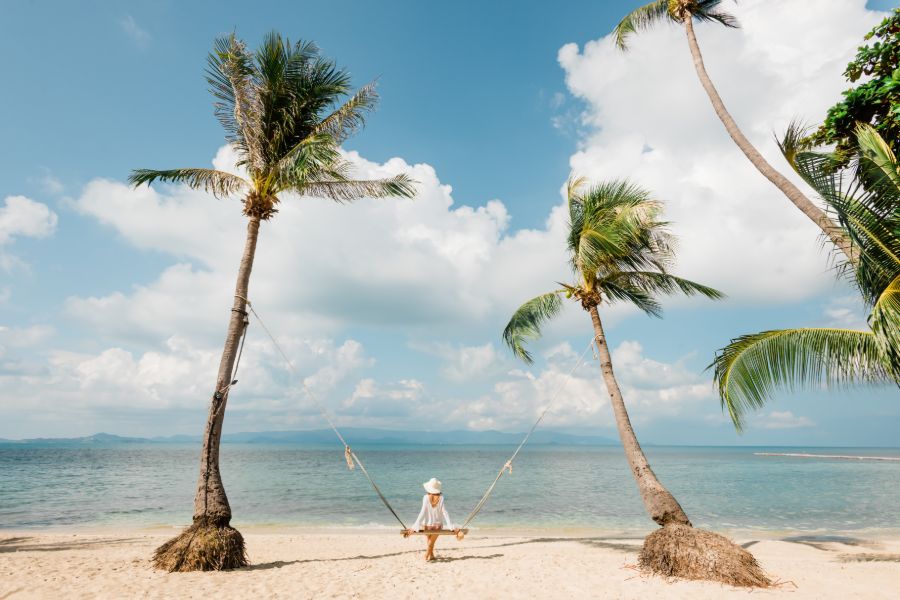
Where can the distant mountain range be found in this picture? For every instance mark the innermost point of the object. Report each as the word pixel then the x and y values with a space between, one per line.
pixel 358 436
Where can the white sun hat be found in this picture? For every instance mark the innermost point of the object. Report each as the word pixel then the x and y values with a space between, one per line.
pixel 432 486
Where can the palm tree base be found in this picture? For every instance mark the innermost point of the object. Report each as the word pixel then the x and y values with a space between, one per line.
pixel 688 553
pixel 202 547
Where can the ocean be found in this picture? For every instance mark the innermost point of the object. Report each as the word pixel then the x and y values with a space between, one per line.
pixel 724 488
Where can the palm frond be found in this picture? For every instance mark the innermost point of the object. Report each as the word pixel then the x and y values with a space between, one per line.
pixel 220 183
pixel 230 76
pixel 640 19
pixel 350 116
pixel 752 367
pixel 348 190
pixel 885 323
pixel 708 10
pixel 526 322
pixel 624 291
pixel 654 282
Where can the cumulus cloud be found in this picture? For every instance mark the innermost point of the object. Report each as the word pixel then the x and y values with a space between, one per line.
pixel 648 118
pixel 401 263
pixel 23 217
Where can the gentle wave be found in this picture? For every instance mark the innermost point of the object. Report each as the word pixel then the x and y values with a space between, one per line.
pixel 839 456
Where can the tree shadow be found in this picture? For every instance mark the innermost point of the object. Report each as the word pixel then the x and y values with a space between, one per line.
pixel 595 542
pixel 869 557
pixel 445 559
pixel 28 544
pixel 825 542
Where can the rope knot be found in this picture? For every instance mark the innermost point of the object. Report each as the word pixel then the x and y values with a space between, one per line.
pixel 507 467
pixel 348 456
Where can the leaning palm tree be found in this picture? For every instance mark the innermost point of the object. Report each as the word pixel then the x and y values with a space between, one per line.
pixel 285 109
pixel 684 12
pixel 620 251
pixel 865 197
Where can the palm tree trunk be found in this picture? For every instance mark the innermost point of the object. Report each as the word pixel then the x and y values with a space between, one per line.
pixel 661 505
pixel 211 504
pixel 806 206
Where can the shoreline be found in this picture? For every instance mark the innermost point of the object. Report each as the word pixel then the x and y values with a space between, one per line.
pixel 561 531
pixel 349 564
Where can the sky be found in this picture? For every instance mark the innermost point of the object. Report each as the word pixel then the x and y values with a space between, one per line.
pixel 114 301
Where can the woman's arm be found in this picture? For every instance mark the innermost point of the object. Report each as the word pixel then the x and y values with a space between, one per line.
pixel 417 526
pixel 448 524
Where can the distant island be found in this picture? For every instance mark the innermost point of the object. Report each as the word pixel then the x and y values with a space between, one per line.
pixel 359 436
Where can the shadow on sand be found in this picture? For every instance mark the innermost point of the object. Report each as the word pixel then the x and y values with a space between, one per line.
pixel 28 544
pixel 594 542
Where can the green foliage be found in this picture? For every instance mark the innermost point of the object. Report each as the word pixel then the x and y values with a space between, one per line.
pixel 647 16
pixel 865 198
pixel 285 109
pixel 875 101
pixel 619 250
pixel 526 322
pixel 752 367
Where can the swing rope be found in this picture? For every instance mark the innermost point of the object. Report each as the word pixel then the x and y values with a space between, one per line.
pixel 351 456
pixel 507 466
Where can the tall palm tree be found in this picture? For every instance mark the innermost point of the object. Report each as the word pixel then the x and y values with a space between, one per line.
pixel 684 12
pixel 620 251
pixel 285 109
pixel 865 196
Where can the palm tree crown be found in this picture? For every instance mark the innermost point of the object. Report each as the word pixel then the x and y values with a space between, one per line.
pixel 619 250
pixel 280 107
pixel 865 199
pixel 675 11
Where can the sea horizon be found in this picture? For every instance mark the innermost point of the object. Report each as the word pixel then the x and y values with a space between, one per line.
pixel 553 487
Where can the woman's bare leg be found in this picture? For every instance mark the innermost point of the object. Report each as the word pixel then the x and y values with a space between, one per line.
pixel 429 554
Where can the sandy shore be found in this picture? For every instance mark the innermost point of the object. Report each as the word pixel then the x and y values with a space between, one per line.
pixel 307 564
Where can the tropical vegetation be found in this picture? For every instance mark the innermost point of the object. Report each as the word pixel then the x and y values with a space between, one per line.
pixel 875 100
pixel 865 197
pixel 620 251
pixel 684 13
pixel 285 109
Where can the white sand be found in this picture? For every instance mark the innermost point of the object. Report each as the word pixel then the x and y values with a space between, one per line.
pixel 307 564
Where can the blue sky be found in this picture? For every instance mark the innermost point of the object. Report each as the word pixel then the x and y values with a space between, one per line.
pixel 112 300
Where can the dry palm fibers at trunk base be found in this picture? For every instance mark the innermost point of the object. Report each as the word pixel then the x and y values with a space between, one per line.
pixel 688 553
pixel 202 547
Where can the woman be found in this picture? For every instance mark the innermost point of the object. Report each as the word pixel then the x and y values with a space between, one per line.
pixel 433 516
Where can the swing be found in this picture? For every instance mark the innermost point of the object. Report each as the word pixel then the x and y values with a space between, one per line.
pixel 353 460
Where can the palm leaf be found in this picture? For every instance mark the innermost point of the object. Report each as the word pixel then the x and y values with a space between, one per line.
pixel 220 183
pixel 885 324
pixel 752 367
pixel 350 116
pixel 640 19
pixel 348 190
pixel 654 282
pixel 526 322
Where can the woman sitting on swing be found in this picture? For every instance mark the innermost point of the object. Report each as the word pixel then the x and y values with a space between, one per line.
pixel 432 517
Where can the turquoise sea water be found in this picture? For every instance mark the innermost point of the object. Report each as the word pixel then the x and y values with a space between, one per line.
pixel 551 486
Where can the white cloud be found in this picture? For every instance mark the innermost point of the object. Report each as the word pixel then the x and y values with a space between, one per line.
pixel 400 263
pixel 579 398
pixel 23 217
pixel 650 120
pixel 464 363
pixel 141 37
pixel 782 420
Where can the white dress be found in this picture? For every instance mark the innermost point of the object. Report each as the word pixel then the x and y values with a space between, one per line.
pixel 432 516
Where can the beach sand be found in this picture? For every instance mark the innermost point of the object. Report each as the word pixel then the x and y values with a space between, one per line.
pixel 320 564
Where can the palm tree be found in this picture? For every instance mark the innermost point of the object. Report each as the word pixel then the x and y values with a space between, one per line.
pixel 285 109
pixel 865 196
pixel 620 251
pixel 684 12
